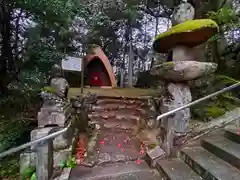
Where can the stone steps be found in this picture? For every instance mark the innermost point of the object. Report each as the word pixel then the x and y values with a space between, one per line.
pixel 114 123
pixel 117 145
pixel 115 107
pixel 217 157
pixel 233 134
pixel 121 101
pixel 118 153
pixel 209 166
pixel 130 170
pixel 120 113
pixel 224 149
pixel 176 169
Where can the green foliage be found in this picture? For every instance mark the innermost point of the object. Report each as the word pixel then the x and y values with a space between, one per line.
pixel 215 112
pixel 29 173
pixel 226 18
pixel 69 163
pixel 218 105
pixel 214 38
pixel 33 177
pixel 223 16
pixel 9 167
pixel 11 131
pixel 212 109
pixel 51 12
pixel 226 79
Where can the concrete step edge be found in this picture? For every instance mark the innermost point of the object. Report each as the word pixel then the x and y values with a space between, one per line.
pixel 233 134
pixel 223 148
pixel 207 165
pixel 176 169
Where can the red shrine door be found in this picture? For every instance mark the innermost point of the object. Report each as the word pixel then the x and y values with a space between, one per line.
pixel 96 79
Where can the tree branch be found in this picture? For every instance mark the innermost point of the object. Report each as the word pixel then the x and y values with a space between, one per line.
pixel 223 3
pixel 159 14
pixel 15 46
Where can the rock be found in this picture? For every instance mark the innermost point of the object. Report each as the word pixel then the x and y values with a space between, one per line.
pixel 176 96
pixel 38 133
pixel 27 160
pixel 154 155
pixel 152 123
pixel 56 108
pixel 64 140
pixel 179 71
pixel 150 136
pixel 50 115
pixel 61 86
pixel 182 53
pixel 190 33
pixel 118 157
pixel 60 142
pixel 183 12
pixel 104 158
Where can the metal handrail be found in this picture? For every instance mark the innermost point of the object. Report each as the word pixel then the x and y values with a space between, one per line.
pixel 37 141
pixel 198 101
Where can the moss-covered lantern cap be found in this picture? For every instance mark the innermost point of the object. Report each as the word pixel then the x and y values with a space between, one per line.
pixel 189 33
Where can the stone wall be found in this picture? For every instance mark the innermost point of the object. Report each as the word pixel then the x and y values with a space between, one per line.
pixel 53 117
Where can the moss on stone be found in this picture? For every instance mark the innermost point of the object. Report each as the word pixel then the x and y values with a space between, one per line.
pixel 210 69
pixel 215 111
pixel 49 89
pixel 152 146
pixel 209 110
pixel 189 26
pixel 165 66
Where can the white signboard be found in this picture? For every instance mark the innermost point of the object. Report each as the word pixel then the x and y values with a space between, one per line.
pixel 72 64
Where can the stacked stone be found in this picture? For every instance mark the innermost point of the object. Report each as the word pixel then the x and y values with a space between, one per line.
pixel 180 39
pixel 53 116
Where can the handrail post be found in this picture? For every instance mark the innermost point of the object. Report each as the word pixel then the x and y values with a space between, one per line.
pixel 49 152
pixel 44 160
pixel 170 133
pixel 198 101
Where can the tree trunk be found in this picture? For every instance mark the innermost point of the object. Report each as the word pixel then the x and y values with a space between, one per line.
pixel 216 56
pixel 16 38
pixel 6 65
pixel 156 31
pixel 130 61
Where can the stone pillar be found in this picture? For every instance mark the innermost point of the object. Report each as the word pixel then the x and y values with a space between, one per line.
pixel 44 159
pixel 53 116
pixel 178 94
pixel 175 96
pixel 181 68
pixel 183 12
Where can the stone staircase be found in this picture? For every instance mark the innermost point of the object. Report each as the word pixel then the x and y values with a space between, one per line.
pixel 215 157
pixel 119 113
pixel 119 152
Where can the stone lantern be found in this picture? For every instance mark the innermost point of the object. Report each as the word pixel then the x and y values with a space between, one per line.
pixel 180 39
